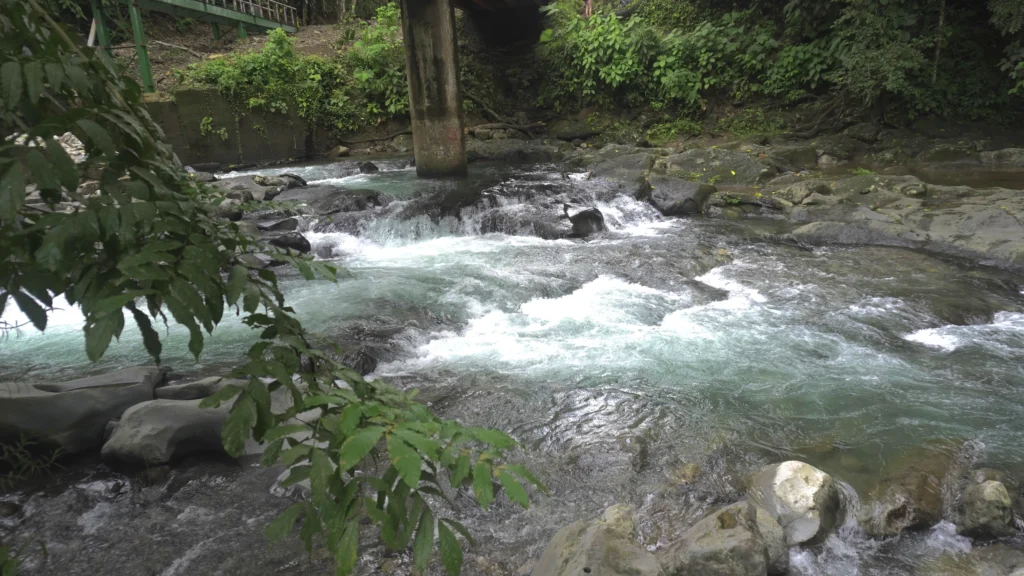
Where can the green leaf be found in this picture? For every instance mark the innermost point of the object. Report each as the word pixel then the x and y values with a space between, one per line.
pixel 283 431
pixel 54 75
pixel 12 192
pixel 41 170
pixel 514 489
pixel 236 282
pixel 10 81
pixel 98 136
pixel 461 470
pixel 522 472
pixel 451 550
pixel 347 553
pixel 99 333
pixel 358 446
pixel 429 448
pixel 34 80
pixel 320 476
pixel 460 529
pixel 350 417
pixel 406 460
pixel 495 438
pixel 223 395
pixel 36 314
pixel 115 303
pixel 282 525
pixel 271 453
pixel 482 487
pixel 423 545
pixel 240 421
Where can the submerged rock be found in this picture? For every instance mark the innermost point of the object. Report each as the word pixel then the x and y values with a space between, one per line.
pixel 728 542
pixel 73 415
pixel 985 511
pixel 604 546
pixel 160 431
pixel 805 501
pixel 678 197
pixel 909 495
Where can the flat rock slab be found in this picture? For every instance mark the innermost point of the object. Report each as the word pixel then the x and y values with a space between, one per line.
pixel 73 415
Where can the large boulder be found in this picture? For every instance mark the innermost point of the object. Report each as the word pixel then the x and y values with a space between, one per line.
pixel 1008 158
pixel 627 173
pixel 726 543
pixel 775 543
pixel 985 511
pixel 72 415
pixel 804 500
pixel 604 546
pixel 513 151
pixel 715 166
pixel 677 197
pixel 333 199
pixel 196 390
pixel 160 431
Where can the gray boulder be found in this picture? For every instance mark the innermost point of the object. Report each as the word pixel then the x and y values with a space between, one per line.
pixel 677 197
pixel 286 225
pixel 160 431
pixel 804 500
pixel 775 543
pixel 368 168
pixel 604 546
pixel 332 199
pixel 627 174
pixel 292 241
pixel 73 415
pixel 1011 158
pixel 715 166
pixel 985 511
pixel 585 222
pixel 195 390
pixel 513 151
pixel 726 543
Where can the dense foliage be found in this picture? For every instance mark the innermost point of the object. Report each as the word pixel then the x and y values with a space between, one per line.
pixel 148 247
pixel 903 57
pixel 361 86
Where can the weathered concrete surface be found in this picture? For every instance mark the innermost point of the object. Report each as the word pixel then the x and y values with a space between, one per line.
pixel 435 97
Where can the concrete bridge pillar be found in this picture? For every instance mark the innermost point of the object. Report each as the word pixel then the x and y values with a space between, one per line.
pixel 435 98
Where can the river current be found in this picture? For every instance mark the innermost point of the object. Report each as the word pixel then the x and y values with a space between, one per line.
pixel 653 365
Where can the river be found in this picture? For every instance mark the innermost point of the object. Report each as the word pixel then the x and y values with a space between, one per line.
pixel 653 365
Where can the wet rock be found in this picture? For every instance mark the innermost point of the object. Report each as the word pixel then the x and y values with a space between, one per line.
pixel 865 132
pixel 995 560
pixel 909 494
pixel 73 415
pixel 368 168
pixel 985 511
pixel 715 166
pixel 726 543
pixel 203 177
pixel 292 241
pixel 795 158
pixel 853 233
pixel 1006 158
pixel 626 173
pixel 230 210
pixel 678 197
pixel 604 546
pixel 338 152
pixel 950 153
pixel 286 225
pixel 579 130
pixel 838 148
pixel 401 143
pixel 805 501
pixel 775 543
pixel 798 191
pixel 327 200
pixel 160 431
pixel 240 194
pixel 195 390
pixel 482 133
pixel 985 474
pixel 585 222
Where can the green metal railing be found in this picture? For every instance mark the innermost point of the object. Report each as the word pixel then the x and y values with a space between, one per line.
pixel 258 14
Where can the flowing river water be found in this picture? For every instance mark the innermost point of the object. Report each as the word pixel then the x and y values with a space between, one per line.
pixel 653 365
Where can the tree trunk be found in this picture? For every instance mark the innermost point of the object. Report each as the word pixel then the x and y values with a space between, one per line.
pixel 938 41
pixel 341 10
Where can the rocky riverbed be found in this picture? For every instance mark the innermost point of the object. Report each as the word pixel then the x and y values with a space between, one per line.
pixel 751 358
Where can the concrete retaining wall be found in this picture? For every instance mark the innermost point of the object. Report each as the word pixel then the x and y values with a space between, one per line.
pixel 232 137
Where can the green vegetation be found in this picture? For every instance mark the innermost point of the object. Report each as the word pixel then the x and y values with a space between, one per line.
pixel 361 86
pixel 862 172
pixel 661 134
pixel 149 246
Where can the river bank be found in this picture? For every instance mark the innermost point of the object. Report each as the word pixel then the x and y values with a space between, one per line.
pixel 657 364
